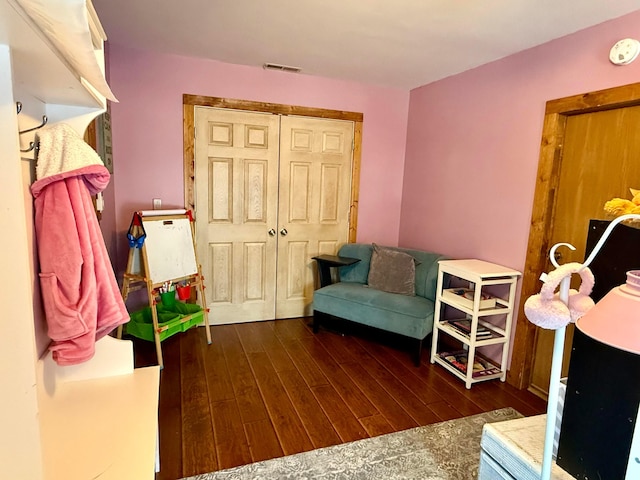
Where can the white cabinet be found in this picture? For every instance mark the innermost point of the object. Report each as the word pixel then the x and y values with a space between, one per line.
pixel 57 53
pixel 98 419
pixel 482 298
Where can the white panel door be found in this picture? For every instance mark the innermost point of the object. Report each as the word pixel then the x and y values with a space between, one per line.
pixel 236 191
pixel 271 193
pixel 313 205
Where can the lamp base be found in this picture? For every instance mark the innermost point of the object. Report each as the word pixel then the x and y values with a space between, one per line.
pixel 600 410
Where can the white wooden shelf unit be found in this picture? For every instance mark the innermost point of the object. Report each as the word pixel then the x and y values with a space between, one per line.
pixel 479 274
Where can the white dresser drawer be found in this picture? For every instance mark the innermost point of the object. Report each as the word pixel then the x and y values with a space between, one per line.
pixel 492 470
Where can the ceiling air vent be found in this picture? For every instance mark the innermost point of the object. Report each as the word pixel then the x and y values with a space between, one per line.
pixel 282 68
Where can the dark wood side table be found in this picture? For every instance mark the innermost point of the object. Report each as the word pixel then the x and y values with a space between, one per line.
pixel 325 262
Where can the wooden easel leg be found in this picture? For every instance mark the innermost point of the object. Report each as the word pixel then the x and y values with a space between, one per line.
pixel 125 287
pixel 154 316
pixel 125 294
pixel 156 336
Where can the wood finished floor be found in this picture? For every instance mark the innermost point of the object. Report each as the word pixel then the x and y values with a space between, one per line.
pixel 268 389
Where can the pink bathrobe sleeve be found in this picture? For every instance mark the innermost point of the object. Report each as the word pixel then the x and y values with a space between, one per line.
pixel 80 294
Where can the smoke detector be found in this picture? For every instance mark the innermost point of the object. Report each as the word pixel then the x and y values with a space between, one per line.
pixel 282 68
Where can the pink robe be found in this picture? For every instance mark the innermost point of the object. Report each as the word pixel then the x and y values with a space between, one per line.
pixel 79 290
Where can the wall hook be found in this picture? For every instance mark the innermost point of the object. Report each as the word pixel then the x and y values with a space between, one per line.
pixel 32 146
pixel 19 107
pixel 44 122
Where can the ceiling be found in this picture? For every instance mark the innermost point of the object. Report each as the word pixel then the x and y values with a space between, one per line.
pixel 395 43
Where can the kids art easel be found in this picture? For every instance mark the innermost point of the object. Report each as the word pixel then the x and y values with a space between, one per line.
pixel 162 249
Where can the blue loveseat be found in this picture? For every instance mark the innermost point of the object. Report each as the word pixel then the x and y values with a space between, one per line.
pixel 352 299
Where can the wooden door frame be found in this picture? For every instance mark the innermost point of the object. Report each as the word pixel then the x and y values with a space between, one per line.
pixel 542 216
pixel 189 102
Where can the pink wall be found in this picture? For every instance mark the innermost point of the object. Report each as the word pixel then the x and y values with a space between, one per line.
pixel 147 130
pixel 473 143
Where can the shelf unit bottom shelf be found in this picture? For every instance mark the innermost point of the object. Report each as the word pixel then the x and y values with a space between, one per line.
pixel 501 374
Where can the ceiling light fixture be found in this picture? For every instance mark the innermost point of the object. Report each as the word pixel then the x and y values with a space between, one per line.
pixel 282 68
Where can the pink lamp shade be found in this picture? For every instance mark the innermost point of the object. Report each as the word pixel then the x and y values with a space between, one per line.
pixel 615 320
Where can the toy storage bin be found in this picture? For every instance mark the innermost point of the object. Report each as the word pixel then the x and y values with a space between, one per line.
pixel 177 318
pixel 184 308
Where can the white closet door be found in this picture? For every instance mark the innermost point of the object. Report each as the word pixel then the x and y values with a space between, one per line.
pixel 271 193
pixel 236 169
pixel 313 205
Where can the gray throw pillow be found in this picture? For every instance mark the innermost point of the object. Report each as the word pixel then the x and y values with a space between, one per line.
pixel 392 271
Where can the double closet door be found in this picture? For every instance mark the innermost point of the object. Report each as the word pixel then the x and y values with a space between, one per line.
pixel 272 191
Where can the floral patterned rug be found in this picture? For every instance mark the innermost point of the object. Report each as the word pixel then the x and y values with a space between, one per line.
pixel 442 451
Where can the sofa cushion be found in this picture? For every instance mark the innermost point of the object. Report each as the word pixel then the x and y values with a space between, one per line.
pixel 426 272
pixel 410 316
pixel 392 271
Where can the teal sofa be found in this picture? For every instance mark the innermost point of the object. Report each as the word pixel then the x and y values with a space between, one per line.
pixel 352 299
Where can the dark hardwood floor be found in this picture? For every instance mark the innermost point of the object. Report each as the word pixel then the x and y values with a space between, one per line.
pixel 268 389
